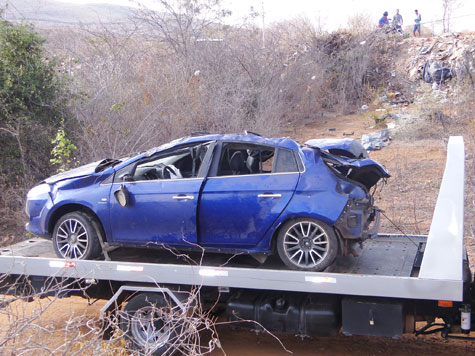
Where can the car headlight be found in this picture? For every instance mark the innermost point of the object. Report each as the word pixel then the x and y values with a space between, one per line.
pixel 38 191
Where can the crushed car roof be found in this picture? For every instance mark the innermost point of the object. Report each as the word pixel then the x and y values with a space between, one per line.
pixel 284 142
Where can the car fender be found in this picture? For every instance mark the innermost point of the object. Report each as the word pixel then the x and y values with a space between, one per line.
pixel 315 197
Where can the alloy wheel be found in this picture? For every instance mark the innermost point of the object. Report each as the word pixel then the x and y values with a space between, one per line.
pixel 306 244
pixel 72 239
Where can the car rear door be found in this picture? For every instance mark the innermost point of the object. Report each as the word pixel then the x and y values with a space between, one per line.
pixel 241 200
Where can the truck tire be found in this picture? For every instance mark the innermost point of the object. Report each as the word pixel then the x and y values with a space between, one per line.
pixel 307 244
pixel 75 236
pixel 148 324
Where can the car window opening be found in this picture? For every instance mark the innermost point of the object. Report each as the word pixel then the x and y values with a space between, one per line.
pixel 181 163
pixel 239 159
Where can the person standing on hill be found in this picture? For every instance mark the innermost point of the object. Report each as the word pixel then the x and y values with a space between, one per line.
pixel 398 21
pixel 417 24
pixel 383 21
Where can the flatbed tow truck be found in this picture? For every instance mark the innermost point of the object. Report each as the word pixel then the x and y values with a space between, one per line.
pixel 383 289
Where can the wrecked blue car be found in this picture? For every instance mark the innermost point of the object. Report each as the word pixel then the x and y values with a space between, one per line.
pixel 221 193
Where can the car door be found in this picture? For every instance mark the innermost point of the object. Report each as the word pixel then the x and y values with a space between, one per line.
pixel 162 199
pixel 246 191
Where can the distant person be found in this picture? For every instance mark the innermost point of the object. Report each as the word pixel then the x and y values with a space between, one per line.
pixel 383 21
pixel 417 24
pixel 398 21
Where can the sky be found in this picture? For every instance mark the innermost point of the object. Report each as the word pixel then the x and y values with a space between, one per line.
pixel 335 14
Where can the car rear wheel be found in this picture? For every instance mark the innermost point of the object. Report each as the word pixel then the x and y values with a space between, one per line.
pixel 149 324
pixel 75 236
pixel 307 244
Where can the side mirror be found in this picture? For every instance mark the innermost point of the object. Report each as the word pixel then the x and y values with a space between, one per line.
pixel 126 177
pixel 122 196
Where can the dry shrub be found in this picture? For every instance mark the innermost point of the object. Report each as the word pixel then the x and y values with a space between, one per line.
pixel 12 202
pixel 43 323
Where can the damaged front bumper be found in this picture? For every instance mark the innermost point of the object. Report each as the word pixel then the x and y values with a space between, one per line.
pixel 359 220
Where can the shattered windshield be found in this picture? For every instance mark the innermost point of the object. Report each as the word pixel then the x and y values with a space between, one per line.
pixel 106 163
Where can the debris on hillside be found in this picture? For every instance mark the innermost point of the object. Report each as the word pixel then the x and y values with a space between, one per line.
pixel 440 58
pixel 437 73
pixel 376 140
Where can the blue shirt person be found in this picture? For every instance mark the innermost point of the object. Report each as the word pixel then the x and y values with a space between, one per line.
pixel 383 21
pixel 417 24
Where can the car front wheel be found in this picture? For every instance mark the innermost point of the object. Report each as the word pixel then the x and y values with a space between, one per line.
pixel 75 236
pixel 307 244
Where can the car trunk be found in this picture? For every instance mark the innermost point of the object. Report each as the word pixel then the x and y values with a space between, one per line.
pixel 349 158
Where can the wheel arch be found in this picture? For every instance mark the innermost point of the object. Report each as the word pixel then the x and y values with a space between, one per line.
pixel 69 208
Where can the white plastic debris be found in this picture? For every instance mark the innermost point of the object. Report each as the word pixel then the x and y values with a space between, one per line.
pixel 376 140
pixel 365 107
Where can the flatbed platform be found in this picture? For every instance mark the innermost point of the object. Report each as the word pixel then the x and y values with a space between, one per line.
pixel 386 255
pixel 386 263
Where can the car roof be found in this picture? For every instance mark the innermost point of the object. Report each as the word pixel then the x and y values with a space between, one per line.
pixel 284 142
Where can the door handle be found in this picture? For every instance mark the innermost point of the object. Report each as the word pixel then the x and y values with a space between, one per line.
pixel 183 197
pixel 269 195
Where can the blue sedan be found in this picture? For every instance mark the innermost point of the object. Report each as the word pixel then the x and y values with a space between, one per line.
pixel 221 193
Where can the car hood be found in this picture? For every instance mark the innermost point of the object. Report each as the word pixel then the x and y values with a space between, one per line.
pixel 349 158
pixel 82 171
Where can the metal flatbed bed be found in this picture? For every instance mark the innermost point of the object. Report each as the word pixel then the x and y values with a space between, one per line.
pixel 382 268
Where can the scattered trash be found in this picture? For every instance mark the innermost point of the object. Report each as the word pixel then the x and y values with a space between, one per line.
pixel 365 107
pixel 376 140
pixel 391 125
pixel 362 43
pixel 332 129
pixel 436 72
pixel 348 133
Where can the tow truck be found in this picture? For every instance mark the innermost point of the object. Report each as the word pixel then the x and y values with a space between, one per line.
pixel 384 289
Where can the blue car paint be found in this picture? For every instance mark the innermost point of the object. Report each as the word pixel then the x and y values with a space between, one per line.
pixel 154 215
pixel 233 215
pixel 316 195
pixel 89 195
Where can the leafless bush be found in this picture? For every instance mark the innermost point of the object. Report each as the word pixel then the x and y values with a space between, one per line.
pixel 157 79
pixel 12 201
pixel 33 323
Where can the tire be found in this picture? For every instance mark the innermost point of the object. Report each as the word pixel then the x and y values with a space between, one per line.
pixel 75 236
pixel 307 244
pixel 148 324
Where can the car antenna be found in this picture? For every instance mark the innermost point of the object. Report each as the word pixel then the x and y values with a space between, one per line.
pixel 252 133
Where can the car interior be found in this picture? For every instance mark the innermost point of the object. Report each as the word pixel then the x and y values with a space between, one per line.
pixel 241 159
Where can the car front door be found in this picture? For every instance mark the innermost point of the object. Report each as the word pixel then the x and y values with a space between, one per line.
pixel 244 194
pixel 162 199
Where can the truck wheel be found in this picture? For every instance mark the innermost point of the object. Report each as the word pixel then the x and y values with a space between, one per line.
pixel 148 323
pixel 307 244
pixel 75 236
